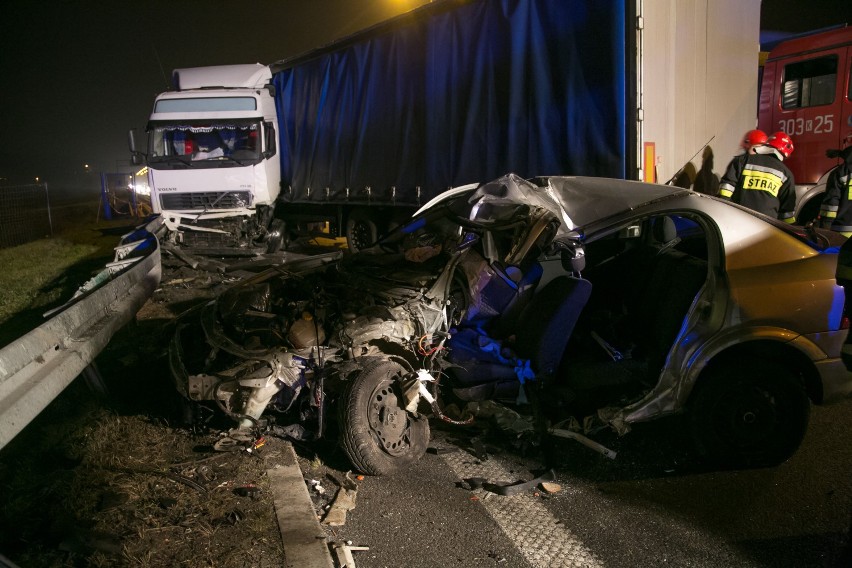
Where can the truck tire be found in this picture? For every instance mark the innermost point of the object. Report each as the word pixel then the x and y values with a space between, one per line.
pixel 749 413
pixel 276 235
pixel 377 434
pixel 361 230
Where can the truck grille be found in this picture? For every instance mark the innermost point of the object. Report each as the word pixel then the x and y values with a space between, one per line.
pixel 206 200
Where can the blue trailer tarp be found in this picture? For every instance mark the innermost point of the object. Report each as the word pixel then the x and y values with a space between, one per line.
pixel 535 87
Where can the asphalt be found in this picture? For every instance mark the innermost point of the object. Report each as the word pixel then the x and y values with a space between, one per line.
pixel 651 506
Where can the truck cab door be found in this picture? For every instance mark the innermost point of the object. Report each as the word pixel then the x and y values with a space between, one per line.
pixel 811 104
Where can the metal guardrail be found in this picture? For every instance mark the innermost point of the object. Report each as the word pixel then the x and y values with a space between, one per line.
pixel 38 366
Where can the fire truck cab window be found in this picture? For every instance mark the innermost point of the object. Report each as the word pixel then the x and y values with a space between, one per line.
pixel 809 83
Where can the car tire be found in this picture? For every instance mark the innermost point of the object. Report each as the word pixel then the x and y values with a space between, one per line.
pixel 751 413
pixel 377 434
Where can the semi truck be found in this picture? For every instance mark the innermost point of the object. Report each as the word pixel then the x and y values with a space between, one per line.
pixel 356 135
pixel 806 91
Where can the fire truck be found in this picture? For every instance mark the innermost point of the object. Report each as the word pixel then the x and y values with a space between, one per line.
pixel 806 92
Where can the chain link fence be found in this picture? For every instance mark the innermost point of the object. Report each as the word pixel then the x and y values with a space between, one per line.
pixel 24 214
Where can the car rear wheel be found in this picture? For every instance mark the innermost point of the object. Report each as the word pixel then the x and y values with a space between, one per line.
pixel 377 434
pixel 751 413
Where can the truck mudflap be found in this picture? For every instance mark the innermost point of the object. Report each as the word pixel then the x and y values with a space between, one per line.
pixel 38 366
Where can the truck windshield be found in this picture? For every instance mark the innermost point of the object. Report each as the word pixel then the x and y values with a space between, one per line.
pixel 203 144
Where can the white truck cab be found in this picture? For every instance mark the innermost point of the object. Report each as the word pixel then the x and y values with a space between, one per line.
pixel 212 165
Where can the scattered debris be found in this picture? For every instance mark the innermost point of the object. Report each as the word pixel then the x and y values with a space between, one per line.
pixel 230 519
pixel 561 433
pixel 479 449
pixel 295 432
pixel 519 487
pixel 509 489
pixel 193 262
pixel 440 451
pixel 249 490
pixel 472 483
pixel 343 554
pixel 317 486
pixel 504 417
pixel 344 501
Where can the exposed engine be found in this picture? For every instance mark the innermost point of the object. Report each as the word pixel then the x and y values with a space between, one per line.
pixel 274 336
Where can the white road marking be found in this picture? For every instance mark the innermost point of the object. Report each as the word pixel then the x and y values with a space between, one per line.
pixel 534 531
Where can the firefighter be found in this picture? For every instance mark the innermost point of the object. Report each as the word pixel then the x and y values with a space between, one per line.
pixel 761 181
pixel 748 144
pixel 835 213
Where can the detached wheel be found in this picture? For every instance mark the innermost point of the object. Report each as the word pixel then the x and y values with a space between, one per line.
pixel 361 230
pixel 377 434
pixel 752 413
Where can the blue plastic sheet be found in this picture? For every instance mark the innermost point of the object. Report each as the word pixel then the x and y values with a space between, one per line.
pixel 535 87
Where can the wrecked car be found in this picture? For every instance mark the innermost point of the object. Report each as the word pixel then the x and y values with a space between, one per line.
pixel 579 297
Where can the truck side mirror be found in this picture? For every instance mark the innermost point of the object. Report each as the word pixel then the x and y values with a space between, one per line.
pixel 135 156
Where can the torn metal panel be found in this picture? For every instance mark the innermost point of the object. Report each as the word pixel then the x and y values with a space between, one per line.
pixel 38 366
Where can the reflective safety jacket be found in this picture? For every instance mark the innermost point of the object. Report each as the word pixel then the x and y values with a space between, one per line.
pixel 761 182
pixel 835 213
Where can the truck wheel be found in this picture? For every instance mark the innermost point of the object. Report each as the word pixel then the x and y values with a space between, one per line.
pixel 276 235
pixel 752 413
pixel 377 434
pixel 361 230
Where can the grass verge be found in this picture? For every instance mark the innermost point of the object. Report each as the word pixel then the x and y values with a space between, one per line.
pixel 42 274
pixel 30 274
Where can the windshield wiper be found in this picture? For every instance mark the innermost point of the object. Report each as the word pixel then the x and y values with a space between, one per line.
pixel 182 159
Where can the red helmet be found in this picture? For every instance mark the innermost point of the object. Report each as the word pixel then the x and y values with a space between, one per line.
pixel 753 138
pixel 781 142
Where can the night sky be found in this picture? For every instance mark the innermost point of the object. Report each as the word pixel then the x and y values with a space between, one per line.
pixel 78 74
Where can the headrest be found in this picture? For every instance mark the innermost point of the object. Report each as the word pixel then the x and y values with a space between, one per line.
pixel 665 229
